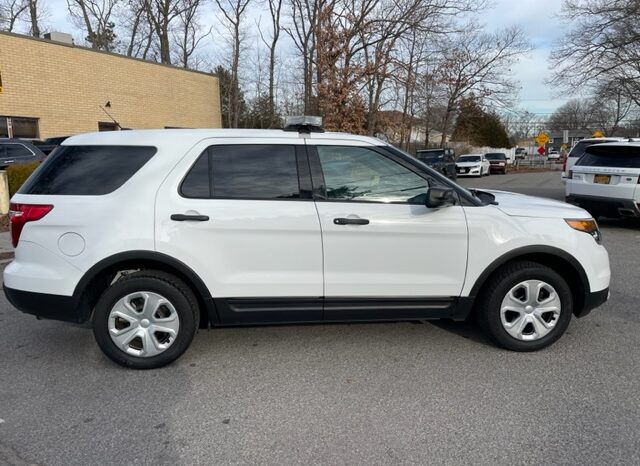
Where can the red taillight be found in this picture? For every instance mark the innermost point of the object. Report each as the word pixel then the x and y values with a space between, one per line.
pixel 20 214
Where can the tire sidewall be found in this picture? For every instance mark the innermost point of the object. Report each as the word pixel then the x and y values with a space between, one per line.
pixel 118 291
pixel 492 313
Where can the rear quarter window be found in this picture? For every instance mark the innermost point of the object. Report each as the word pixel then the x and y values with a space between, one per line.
pixel 87 170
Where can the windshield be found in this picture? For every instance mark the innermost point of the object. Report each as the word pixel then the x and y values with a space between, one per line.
pixel 469 158
pixel 496 156
pixel 430 157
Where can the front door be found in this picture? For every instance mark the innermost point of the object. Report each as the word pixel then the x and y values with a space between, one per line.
pixel 242 217
pixel 386 255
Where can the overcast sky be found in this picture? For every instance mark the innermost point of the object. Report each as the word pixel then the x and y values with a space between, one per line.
pixel 538 18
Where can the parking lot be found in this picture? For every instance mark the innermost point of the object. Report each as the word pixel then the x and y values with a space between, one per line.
pixel 392 393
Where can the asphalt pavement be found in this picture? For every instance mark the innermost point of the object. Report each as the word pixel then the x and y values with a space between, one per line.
pixel 392 393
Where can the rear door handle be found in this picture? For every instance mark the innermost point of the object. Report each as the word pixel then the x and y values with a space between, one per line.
pixel 189 218
pixel 351 221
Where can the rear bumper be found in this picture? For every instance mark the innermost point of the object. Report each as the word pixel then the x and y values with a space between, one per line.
pixel 593 300
pixel 43 305
pixel 607 206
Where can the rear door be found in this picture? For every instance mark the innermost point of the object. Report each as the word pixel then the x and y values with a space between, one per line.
pixel 241 215
pixel 386 255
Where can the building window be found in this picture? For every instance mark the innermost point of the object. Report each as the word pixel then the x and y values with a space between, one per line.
pixel 107 126
pixel 19 127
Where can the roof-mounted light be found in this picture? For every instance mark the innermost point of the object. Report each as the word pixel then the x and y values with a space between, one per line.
pixel 304 124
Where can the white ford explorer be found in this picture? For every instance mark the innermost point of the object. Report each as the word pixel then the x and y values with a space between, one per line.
pixel 150 235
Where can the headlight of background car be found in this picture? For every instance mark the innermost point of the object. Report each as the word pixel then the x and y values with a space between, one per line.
pixel 589 226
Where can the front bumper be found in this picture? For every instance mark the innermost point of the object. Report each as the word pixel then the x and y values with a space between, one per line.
pixel 498 169
pixel 606 206
pixel 468 171
pixel 43 305
pixel 593 300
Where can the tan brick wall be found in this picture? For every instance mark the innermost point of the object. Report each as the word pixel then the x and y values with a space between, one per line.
pixel 65 86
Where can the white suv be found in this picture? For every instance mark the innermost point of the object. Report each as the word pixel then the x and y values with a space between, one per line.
pixel 149 235
pixel 606 180
pixel 577 151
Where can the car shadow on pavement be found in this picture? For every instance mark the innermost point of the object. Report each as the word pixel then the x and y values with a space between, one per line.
pixel 625 223
pixel 467 329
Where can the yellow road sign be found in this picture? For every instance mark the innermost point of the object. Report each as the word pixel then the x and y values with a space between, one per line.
pixel 597 134
pixel 542 138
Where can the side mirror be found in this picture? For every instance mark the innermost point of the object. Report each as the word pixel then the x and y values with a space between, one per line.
pixel 440 197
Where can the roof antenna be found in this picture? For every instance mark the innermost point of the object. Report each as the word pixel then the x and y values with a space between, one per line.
pixel 108 105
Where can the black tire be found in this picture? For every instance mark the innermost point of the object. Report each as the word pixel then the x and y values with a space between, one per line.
pixel 164 284
pixel 489 302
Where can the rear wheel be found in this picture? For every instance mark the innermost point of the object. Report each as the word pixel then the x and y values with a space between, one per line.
pixel 526 306
pixel 146 319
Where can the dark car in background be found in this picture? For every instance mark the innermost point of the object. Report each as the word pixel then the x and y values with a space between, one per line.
pixel 498 161
pixel 49 144
pixel 16 151
pixel 441 160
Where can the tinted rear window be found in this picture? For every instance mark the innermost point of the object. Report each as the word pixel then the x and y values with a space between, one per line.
pixel 615 157
pixel 245 171
pixel 579 148
pixel 87 170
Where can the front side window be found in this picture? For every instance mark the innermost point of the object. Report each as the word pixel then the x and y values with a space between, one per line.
pixel 361 174
pixel 245 171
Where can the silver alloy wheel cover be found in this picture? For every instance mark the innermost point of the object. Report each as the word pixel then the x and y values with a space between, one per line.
pixel 527 317
pixel 151 329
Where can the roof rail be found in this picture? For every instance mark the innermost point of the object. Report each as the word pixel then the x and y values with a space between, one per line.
pixel 304 124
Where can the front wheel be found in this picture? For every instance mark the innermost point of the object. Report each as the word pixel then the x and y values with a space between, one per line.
pixel 525 306
pixel 146 320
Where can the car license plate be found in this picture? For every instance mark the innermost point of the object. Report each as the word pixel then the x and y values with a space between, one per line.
pixel 602 179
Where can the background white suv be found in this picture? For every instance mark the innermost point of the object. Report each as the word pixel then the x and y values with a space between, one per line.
pixel 152 234
pixel 578 150
pixel 606 180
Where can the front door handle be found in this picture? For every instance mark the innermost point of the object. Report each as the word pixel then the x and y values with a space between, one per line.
pixel 351 221
pixel 189 218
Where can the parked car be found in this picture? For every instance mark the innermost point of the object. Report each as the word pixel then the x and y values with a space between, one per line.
pixel 473 165
pixel 148 235
pixel 606 180
pixel 553 155
pixel 441 160
pixel 497 161
pixel 578 150
pixel 521 153
pixel 49 144
pixel 16 151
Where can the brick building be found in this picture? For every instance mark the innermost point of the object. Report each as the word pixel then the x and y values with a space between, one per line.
pixel 50 88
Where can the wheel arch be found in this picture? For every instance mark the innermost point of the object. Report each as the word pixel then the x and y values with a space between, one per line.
pixel 561 261
pixel 99 277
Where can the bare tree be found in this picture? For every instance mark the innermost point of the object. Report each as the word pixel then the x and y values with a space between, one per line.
pixel 161 15
pixel 95 17
pixel 478 63
pixel 602 47
pixel 304 21
pixel 35 13
pixel 275 12
pixel 233 12
pixel 189 34
pixel 10 12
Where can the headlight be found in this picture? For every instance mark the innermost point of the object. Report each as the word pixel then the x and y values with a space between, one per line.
pixel 501 164
pixel 587 226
